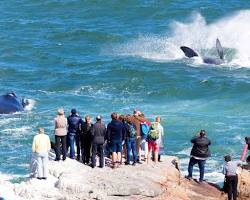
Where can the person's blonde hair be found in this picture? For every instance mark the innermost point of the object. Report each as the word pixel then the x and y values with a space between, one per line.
pixel 60 111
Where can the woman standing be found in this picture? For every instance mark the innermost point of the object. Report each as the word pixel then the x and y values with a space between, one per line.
pixel 60 134
pixel 41 147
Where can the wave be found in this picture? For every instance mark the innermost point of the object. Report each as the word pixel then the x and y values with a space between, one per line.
pixel 233 32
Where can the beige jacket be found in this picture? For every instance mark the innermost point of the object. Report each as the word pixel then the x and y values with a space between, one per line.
pixel 41 143
pixel 61 125
pixel 136 120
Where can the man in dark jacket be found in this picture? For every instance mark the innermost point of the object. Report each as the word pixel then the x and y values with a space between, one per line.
pixel 85 139
pixel 115 134
pixel 73 130
pixel 98 139
pixel 199 153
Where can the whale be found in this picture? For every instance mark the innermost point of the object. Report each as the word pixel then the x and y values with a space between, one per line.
pixel 190 53
pixel 10 103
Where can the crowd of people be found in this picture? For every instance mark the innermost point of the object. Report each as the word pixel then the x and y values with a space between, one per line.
pixel 125 137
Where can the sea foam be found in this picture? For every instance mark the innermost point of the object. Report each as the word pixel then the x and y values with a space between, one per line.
pixel 233 32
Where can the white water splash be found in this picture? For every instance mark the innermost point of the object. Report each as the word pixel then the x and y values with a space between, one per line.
pixel 31 105
pixel 233 32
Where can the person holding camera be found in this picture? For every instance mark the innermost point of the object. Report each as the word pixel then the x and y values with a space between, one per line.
pixel 199 154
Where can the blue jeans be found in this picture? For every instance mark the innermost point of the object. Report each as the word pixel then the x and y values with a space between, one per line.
pixel 131 145
pixel 72 139
pixel 201 164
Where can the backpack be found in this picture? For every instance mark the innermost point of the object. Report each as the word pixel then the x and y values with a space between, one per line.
pixel 131 130
pixel 144 129
pixel 154 132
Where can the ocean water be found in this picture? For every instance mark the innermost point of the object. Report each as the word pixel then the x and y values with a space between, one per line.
pixel 104 56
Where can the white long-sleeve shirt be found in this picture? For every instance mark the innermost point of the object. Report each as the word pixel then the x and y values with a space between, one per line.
pixel 230 168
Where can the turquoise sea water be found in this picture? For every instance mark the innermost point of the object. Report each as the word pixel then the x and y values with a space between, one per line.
pixel 104 56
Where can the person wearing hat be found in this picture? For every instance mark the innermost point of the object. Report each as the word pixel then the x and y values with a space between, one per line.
pixel 98 139
pixel 74 122
pixel 199 153
pixel 41 147
pixel 60 135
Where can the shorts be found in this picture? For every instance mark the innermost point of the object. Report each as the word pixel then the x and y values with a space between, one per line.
pixel 116 146
pixel 153 146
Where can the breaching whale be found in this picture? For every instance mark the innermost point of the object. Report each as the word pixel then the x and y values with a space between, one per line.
pixel 208 60
pixel 10 103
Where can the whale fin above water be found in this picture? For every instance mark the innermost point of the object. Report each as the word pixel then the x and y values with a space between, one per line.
pixel 188 52
pixel 219 49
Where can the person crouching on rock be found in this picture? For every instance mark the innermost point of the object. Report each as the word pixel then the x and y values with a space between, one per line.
pixel 115 133
pixel 98 138
pixel 199 153
pixel 41 147
pixel 231 177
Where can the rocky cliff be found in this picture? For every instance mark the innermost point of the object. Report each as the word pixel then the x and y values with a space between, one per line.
pixel 71 180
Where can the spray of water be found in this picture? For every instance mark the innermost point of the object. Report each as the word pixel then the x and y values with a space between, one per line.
pixel 233 32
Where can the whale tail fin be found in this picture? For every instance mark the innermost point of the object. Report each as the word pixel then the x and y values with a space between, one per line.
pixel 188 52
pixel 219 49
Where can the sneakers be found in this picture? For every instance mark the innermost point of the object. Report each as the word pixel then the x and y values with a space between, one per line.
pixel 126 163
pixel 188 177
pixel 134 163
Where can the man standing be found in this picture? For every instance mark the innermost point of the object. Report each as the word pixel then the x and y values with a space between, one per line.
pixel 41 147
pixel 115 133
pixel 73 129
pixel 200 152
pixel 85 139
pixel 98 139
pixel 137 119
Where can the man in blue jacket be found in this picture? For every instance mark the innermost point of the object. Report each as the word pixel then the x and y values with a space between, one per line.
pixel 199 153
pixel 73 130
pixel 115 134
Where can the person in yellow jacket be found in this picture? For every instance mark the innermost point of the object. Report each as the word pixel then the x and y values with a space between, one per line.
pixel 40 147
